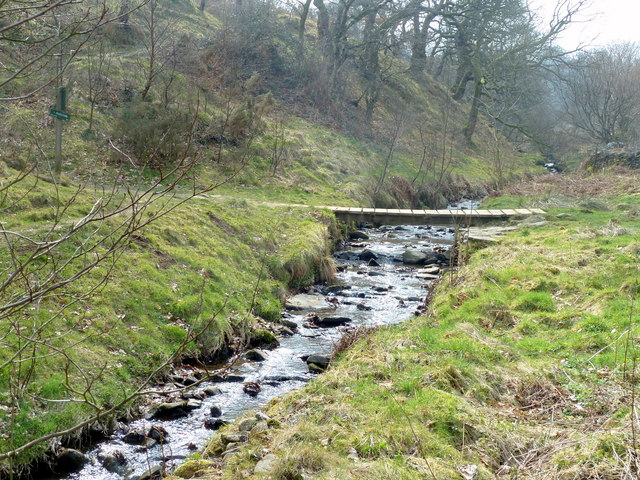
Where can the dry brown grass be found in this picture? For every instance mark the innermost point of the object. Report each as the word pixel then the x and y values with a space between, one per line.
pixel 352 337
pixel 614 182
pixel 538 397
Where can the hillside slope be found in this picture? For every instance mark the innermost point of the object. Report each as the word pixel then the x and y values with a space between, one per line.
pixel 238 110
pixel 251 129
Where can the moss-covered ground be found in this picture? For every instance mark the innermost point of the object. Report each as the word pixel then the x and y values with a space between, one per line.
pixel 524 366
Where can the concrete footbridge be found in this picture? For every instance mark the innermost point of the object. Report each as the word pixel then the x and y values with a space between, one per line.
pixel 459 217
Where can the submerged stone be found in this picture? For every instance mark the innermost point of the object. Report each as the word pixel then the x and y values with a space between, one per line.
pixel 115 462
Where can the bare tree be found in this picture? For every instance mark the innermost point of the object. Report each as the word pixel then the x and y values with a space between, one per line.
pixel 601 92
pixel 302 25
pixel 422 23
pixel 491 37
pixel 157 44
pixel 98 67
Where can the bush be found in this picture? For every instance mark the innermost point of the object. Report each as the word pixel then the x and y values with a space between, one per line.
pixel 153 134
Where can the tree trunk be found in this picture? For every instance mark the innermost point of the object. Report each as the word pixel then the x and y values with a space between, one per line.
pixel 323 20
pixel 418 48
pixel 463 73
pixel 301 30
pixel 419 44
pixel 125 9
pixel 472 121
pixel 371 66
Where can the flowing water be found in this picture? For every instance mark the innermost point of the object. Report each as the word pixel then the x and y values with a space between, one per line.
pixel 369 295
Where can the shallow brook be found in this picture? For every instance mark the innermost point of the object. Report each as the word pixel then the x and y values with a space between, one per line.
pixel 367 294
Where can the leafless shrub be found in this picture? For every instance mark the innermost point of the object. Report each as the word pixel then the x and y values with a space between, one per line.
pixel 350 338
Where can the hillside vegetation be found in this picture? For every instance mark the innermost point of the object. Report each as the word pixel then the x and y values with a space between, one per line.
pixel 228 81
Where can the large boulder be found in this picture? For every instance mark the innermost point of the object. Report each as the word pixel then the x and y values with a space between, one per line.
pixel 266 464
pixel 261 338
pixel 288 323
pixel 70 460
pixel 228 438
pixel 214 423
pixel 251 389
pixel 417 257
pixel 173 410
pixel 211 391
pixel 247 425
pixel 305 301
pixel 367 255
pixel 321 361
pixel 154 473
pixel 192 468
pixel 358 235
pixel 595 205
pixel 134 437
pixel 255 355
pixel 427 276
pixel 158 433
pixel 533 221
pixel 329 322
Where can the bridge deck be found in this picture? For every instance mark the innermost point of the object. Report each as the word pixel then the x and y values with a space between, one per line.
pixel 384 216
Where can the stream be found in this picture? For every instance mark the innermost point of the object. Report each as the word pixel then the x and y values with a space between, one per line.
pixel 368 294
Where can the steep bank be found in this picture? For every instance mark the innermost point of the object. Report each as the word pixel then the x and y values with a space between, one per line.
pixel 523 367
pixel 221 263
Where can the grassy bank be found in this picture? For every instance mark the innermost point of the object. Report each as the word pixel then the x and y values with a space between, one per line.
pixel 524 366
pixel 68 355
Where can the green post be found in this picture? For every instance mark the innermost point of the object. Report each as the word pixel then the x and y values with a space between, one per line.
pixel 61 105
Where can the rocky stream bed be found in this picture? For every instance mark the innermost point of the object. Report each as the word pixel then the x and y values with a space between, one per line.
pixel 384 277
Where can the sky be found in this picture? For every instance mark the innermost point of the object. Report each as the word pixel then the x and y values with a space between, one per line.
pixel 612 21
